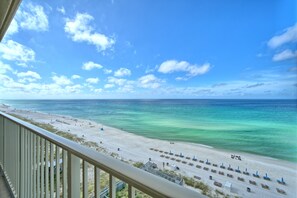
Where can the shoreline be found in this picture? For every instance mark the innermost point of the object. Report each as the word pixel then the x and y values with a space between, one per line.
pixel 138 149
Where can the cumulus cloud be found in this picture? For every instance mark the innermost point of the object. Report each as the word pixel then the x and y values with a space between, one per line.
pixel 107 86
pixel 92 80
pixel 61 80
pixel 32 17
pixel 4 68
pixel 285 55
pixel 12 29
pixel 117 81
pixel 80 31
pixel 149 81
pixel 122 72
pixel 75 77
pixel 28 74
pixel 14 51
pixel 61 10
pixel 107 71
pixel 289 35
pixel 171 66
pixel 91 65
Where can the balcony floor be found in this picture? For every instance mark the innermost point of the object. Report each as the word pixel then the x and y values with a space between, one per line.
pixel 4 192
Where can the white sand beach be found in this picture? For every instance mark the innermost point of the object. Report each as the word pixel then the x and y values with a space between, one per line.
pixel 140 149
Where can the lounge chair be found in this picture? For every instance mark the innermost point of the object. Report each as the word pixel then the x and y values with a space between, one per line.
pixel 229 175
pixel 281 181
pixel 256 174
pixel 265 186
pixel 266 177
pixel 246 172
pixel 213 171
pixel 218 184
pixel 252 182
pixel 221 173
pixel 240 179
pixel 281 191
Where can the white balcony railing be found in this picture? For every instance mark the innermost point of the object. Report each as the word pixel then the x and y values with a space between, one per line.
pixel 38 163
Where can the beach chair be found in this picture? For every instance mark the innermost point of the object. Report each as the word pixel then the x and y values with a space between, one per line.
pixel 201 161
pixel 252 182
pixel 222 166
pixel 229 175
pixel 205 168
pixel 198 166
pixel 266 177
pixel 240 179
pixel 281 181
pixel 197 177
pixel 281 191
pixel 221 173
pixel 215 165
pixel 237 170
pixel 213 171
pixel 246 172
pixel 265 186
pixel 207 162
pixel 256 174
pixel 188 158
pixel 218 184
pixel 229 168
pixel 194 159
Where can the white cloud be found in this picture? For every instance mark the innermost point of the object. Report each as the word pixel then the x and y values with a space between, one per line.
pixel 91 65
pixel 73 88
pixel 149 81
pixel 80 31
pixel 32 17
pixel 12 29
pixel 107 86
pixel 97 90
pixel 28 74
pixel 107 71
pixel 289 35
pixel 284 55
pixel 14 51
pixel 122 72
pixel 4 68
pixel 92 80
pixel 117 81
pixel 61 80
pixel 75 77
pixel 61 10
pixel 171 66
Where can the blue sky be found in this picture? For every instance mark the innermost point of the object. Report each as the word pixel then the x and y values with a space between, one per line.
pixel 150 49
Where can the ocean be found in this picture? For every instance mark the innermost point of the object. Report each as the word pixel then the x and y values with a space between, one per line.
pixel 263 127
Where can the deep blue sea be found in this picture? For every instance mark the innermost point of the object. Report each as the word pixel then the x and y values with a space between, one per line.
pixel 264 127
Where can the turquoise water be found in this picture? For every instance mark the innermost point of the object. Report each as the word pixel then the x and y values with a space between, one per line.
pixel 264 127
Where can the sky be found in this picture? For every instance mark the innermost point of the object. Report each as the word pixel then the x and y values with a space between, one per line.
pixel 143 49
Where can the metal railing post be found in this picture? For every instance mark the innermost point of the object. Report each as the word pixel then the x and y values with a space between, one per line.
pixel 73 176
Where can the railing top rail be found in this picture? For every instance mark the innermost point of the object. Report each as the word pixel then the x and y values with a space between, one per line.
pixel 146 182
